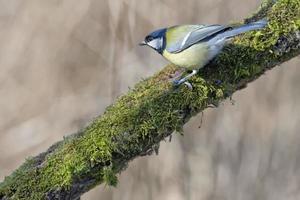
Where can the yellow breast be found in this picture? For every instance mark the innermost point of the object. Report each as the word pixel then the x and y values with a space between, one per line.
pixel 194 57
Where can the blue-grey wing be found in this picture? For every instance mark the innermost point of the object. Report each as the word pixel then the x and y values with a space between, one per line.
pixel 195 35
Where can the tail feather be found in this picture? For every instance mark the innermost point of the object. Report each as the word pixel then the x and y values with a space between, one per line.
pixel 245 28
pixel 241 29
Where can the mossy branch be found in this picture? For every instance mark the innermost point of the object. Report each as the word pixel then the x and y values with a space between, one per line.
pixel 136 123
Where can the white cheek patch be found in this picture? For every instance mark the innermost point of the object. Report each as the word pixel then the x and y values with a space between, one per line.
pixel 156 43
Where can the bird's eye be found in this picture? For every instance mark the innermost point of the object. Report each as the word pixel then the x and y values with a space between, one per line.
pixel 149 38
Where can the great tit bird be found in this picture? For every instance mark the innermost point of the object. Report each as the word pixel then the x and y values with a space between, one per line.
pixel 193 46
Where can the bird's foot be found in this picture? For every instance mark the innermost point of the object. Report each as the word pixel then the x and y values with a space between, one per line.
pixel 188 84
pixel 179 82
pixel 184 80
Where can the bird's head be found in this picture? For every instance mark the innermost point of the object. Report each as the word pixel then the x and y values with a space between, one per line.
pixel 156 40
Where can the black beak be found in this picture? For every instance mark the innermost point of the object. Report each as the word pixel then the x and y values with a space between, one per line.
pixel 143 43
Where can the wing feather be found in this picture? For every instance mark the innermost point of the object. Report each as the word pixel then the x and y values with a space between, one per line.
pixel 189 35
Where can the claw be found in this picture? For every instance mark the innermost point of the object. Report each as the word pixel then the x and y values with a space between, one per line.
pixel 188 84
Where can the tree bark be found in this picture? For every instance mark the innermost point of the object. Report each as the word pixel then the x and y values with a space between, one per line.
pixel 136 123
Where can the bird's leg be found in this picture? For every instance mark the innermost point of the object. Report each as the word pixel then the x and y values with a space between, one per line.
pixel 184 79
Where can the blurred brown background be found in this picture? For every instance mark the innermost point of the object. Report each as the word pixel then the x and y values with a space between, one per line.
pixel 63 61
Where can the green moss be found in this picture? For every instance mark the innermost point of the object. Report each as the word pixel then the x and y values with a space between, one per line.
pixel 283 19
pixel 261 12
pixel 109 176
pixel 250 49
pixel 151 111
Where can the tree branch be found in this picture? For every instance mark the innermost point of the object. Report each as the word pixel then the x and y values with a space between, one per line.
pixel 136 123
